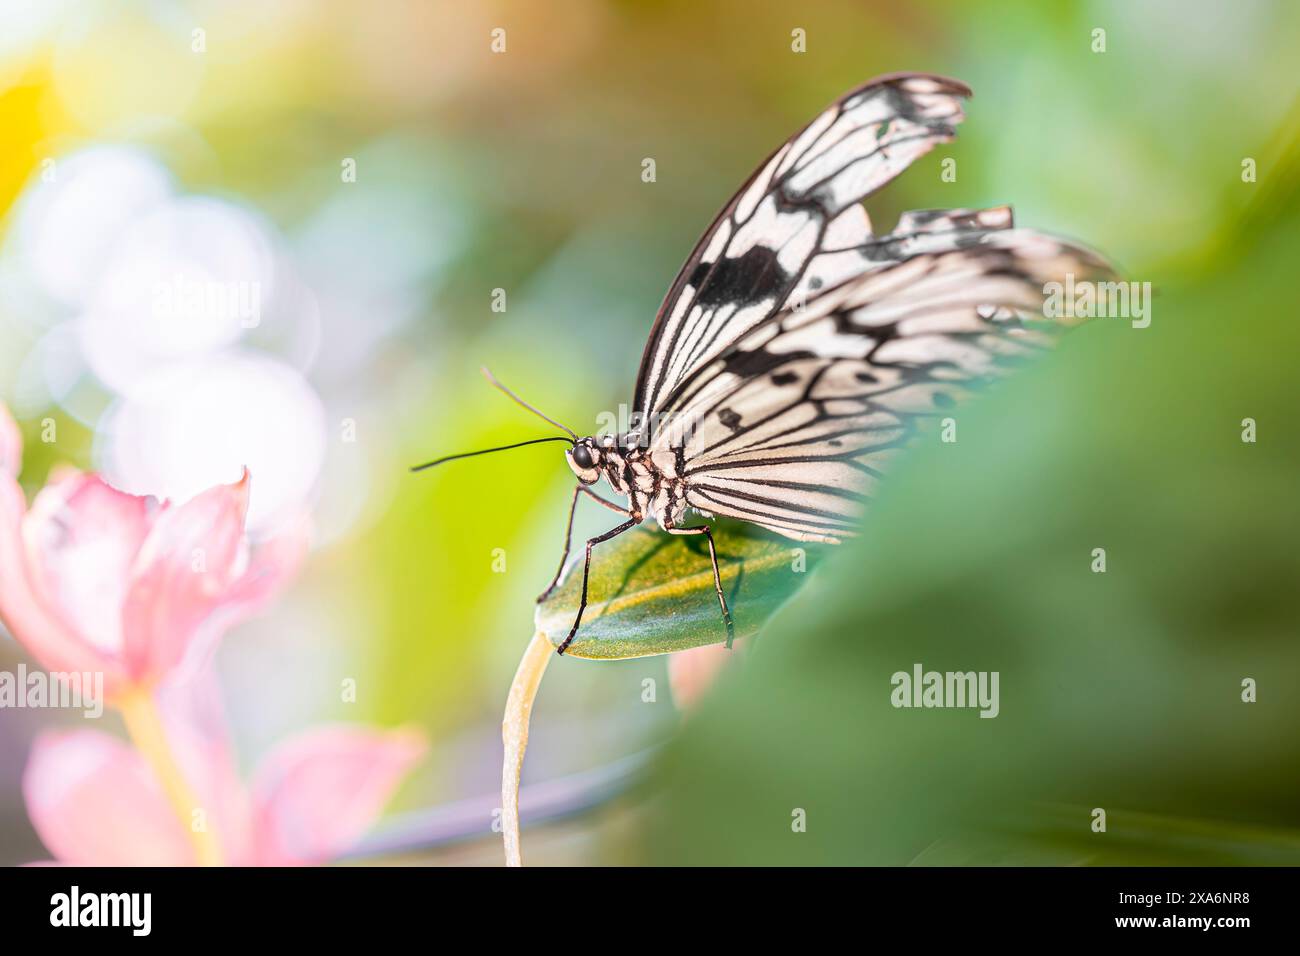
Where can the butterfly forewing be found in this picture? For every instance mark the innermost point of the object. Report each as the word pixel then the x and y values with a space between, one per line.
pixel 797 225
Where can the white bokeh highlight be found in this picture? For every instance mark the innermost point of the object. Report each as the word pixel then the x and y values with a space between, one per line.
pixel 187 279
pixel 66 227
pixel 193 425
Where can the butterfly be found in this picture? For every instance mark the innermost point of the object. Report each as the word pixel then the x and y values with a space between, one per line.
pixel 798 351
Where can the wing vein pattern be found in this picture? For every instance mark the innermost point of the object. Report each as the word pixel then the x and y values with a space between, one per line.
pixel 797 352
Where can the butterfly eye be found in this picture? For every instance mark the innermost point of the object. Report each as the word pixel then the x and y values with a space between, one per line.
pixel 582 457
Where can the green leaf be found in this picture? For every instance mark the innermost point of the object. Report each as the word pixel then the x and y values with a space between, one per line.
pixel 652 593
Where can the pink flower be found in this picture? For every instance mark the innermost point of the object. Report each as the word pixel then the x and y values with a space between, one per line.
pixel 691 673
pixel 93 579
pixel 96 802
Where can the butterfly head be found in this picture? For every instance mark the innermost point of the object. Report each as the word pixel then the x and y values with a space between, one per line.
pixel 585 458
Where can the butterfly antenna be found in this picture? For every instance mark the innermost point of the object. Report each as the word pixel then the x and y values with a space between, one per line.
pixel 492 379
pixel 471 454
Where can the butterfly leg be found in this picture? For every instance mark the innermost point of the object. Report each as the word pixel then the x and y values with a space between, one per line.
pixel 631 522
pixel 568 534
pixel 717 578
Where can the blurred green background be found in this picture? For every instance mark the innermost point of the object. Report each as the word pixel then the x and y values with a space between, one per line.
pixel 521 171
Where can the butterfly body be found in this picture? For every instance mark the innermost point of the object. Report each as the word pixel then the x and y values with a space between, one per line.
pixel 650 480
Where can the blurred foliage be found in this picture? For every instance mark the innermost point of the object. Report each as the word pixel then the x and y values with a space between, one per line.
pixel 652 593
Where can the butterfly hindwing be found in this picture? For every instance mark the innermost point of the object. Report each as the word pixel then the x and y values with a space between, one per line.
pixel 791 427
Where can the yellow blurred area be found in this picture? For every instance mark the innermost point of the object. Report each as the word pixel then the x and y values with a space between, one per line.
pixel 30 116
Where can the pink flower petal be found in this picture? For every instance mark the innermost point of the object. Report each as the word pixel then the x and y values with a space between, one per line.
pixel 191 557
pixel 691 673
pixel 11 444
pixel 275 562
pixel 272 565
pixel 82 537
pixel 94 802
pixel 41 630
pixel 317 794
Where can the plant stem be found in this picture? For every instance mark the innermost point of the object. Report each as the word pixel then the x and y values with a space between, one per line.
pixel 144 723
pixel 514 736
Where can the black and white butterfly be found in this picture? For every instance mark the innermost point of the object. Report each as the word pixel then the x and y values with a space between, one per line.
pixel 798 351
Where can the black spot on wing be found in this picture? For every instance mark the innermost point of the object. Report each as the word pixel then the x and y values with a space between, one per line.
pixel 784 378
pixel 700 274
pixel 759 361
pixel 729 418
pixel 744 280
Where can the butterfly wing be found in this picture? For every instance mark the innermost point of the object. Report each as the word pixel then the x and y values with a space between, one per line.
pixel 791 427
pixel 797 352
pixel 796 226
